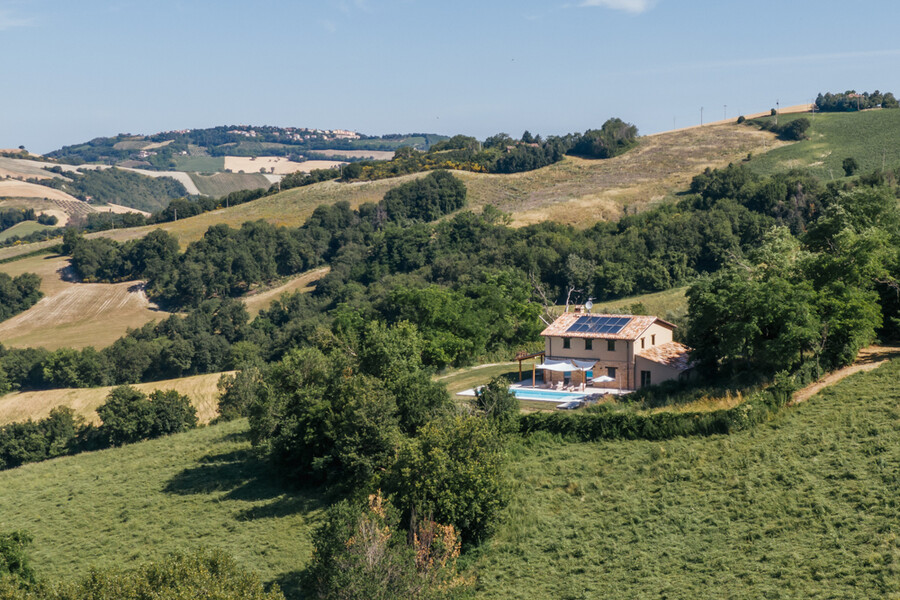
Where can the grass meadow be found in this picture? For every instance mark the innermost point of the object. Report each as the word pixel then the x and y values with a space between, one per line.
pixel 202 164
pixel 868 136
pixel 807 506
pixel 804 506
pixel 127 505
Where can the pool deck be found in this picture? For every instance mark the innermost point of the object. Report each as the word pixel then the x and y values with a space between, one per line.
pixel 564 394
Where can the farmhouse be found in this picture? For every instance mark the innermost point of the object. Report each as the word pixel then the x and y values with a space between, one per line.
pixel 631 350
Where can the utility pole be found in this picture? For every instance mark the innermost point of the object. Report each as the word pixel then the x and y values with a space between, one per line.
pixel 701 116
pixel 777 108
pixel 176 214
pixel 724 111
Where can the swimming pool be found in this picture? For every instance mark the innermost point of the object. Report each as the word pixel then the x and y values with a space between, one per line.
pixel 546 395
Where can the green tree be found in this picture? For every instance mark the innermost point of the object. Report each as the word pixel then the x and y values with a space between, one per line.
pixel 499 404
pixel 127 416
pixel 454 471
pixel 238 392
pixel 14 562
pixel 172 413
pixel 850 166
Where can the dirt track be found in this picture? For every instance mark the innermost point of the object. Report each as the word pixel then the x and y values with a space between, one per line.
pixel 869 358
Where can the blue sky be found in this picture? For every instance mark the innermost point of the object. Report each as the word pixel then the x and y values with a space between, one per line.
pixel 72 71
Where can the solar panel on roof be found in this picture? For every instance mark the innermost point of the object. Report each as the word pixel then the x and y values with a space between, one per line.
pixel 598 325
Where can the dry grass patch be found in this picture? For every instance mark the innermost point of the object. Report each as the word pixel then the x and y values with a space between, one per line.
pixel 74 315
pixel 21 406
pixel 281 165
pixel 11 188
pixel 259 300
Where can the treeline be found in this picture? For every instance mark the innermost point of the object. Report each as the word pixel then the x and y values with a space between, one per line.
pixel 117 186
pixel 227 262
pixel 500 153
pixel 127 416
pixel 851 101
pixel 18 294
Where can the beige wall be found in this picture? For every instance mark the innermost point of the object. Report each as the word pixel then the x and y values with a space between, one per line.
pixel 658 372
pixel 656 335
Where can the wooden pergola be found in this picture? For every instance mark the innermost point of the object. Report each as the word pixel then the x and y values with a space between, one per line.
pixel 520 356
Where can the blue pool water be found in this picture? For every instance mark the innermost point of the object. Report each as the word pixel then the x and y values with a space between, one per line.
pixel 548 395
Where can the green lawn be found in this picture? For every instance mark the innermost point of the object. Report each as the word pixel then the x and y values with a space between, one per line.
pixel 807 506
pixel 22 229
pixel 124 506
pixel 203 164
pixel 866 136
pixel 220 184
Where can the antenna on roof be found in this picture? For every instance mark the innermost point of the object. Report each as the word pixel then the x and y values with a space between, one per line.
pixel 589 304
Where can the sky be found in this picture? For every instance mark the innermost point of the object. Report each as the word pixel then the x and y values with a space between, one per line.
pixel 72 71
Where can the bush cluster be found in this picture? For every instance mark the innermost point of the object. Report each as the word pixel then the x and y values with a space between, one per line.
pixel 127 416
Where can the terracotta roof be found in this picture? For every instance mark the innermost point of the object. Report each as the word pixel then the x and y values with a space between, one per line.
pixel 631 331
pixel 673 355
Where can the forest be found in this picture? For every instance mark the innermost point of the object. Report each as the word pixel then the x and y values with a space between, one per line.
pixel 851 100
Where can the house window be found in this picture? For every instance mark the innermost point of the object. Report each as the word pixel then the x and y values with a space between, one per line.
pixel 653 340
pixel 611 372
pixel 567 343
pixel 611 345
pixel 588 344
pixel 642 342
pixel 645 378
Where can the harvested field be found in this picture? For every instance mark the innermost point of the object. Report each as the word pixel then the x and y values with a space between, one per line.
pixel 262 299
pixel 282 165
pixel 24 168
pixel 21 406
pixel 11 188
pixel 41 206
pixel 119 209
pixel 575 190
pixel 373 154
pixel 581 192
pixel 74 315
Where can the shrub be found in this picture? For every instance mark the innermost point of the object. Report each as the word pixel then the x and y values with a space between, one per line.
pixel 850 166
pixel 13 559
pixel 130 416
pixel 361 552
pixel 741 119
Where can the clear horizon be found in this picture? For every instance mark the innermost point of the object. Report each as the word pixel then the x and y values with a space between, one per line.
pixel 85 70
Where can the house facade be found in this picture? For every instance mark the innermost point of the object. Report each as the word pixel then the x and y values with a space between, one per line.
pixel 633 350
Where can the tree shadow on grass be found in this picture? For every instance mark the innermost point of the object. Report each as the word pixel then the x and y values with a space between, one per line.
pixel 295 585
pixel 241 476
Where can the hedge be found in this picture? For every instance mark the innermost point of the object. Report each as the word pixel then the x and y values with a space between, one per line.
pixel 602 423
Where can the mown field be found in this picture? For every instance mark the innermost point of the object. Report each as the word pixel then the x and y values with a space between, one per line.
pixel 202 164
pixel 22 229
pixel 805 506
pixel 74 315
pixel 21 406
pixel 868 136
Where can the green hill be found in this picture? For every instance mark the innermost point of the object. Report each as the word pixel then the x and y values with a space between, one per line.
pixel 126 505
pixel 801 507
pixel 869 136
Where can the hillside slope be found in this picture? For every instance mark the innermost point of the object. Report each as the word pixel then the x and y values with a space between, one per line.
pixel 801 507
pixel 574 191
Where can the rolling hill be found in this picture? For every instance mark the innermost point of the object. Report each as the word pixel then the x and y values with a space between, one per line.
pixel 803 506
